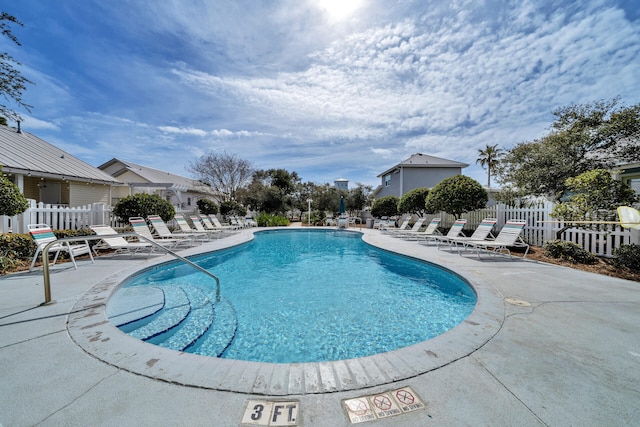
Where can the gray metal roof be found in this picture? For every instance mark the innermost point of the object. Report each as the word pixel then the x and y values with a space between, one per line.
pixel 25 153
pixel 420 160
pixel 157 178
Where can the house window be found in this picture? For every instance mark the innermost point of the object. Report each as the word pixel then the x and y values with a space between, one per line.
pixel 387 180
pixel 635 184
pixel 188 201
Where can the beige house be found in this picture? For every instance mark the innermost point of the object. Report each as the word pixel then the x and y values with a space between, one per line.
pixel 49 175
pixel 180 191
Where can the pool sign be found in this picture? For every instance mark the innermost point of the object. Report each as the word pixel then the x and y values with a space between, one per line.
pixel 266 413
pixel 382 405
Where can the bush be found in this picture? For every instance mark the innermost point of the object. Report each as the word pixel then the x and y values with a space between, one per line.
pixel 231 207
pixel 207 207
pixel 269 220
pixel 385 206
pixel 143 205
pixel 627 257
pixel 568 251
pixel 456 195
pixel 12 202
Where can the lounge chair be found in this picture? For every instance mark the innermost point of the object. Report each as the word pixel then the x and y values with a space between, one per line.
pixel 415 228
pixel 482 232
pixel 201 229
pixel 454 231
pixel 140 227
pixel 163 232
pixel 509 236
pixel 432 229
pixel 43 235
pixel 403 226
pixel 219 226
pixel 117 243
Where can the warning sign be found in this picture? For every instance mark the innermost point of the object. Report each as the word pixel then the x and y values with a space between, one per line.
pixel 359 410
pixel 383 405
pixel 408 399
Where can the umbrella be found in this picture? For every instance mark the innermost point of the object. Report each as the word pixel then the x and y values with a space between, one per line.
pixel 342 210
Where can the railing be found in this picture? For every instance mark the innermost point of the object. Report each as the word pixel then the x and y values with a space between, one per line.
pixel 45 258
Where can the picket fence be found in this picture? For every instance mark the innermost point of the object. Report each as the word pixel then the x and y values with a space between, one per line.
pixel 540 226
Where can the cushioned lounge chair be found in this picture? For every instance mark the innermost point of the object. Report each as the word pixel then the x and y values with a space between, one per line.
pixel 509 237
pixel 117 243
pixel 43 235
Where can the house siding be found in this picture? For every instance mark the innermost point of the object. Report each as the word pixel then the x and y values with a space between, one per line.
pixel 82 194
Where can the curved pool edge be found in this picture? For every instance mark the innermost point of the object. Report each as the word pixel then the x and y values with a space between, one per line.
pixel 89 327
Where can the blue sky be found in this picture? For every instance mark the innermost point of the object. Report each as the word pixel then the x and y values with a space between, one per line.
pixel 329 89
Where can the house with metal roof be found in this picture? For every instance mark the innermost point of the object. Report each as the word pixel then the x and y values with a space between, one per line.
pixel 47 174
pixel 418 171
pixel 180 191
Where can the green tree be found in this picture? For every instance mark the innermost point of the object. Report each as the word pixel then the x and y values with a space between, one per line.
pixel 489 159
pixel 231 207
pixel 207 207
pixel 12 202
pixel 594 196
pixel 143 205
pixel 457 195
pixel 582 138
pixel 413 201
pixel 12 82
pixel 385 206
pixel 357 198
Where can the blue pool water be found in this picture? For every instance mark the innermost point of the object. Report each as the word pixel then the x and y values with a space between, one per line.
pixel 300 296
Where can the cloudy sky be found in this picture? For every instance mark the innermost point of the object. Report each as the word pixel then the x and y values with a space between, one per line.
pixel 327 88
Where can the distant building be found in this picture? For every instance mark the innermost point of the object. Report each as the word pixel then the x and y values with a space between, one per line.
pixel 341 184
pixel 180 191
pixel 418 171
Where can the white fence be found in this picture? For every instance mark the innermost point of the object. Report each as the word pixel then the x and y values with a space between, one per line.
pixel 540 226
pixel 62 217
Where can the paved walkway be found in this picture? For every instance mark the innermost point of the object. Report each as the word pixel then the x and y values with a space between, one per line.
pixel 546 346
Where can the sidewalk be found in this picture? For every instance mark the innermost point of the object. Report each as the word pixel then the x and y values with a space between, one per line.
pixel 546 345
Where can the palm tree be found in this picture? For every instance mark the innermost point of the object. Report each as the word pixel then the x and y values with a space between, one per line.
pixel 489 159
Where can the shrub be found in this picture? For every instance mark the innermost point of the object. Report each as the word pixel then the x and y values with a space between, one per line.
pixel 568 251
pixel 456 195
pixel 12 202
pixel 270 220
pixel 627 257
pixel 413 201
pixel 207 207
pixel 385 206
pixel 231 207
pixel 143 205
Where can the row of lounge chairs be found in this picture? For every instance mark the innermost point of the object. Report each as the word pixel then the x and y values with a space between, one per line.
pixel 482 239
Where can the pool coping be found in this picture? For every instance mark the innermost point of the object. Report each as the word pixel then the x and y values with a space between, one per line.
pixel 90 329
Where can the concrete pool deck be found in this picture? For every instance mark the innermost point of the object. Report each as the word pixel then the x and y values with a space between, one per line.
pixel 547 346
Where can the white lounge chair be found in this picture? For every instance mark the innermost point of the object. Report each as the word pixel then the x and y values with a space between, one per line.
pixel 414 229
pixel 163 232
pixel 218 225
pixel 200 228
pixel 117 243
pixel 140 227
pixel 482 232
pixel 403 226
pixel 454 231
pixel 432 228
pixel 509 236
pixel 43 235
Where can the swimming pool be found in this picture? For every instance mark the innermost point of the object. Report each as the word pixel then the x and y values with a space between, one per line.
pixel 301 296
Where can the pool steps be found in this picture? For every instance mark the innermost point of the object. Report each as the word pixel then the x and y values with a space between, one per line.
pixel 185 319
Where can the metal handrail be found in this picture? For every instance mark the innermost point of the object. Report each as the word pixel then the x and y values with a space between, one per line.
pixel 45 259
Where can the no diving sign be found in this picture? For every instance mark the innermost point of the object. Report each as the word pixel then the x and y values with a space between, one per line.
pixel 382 405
